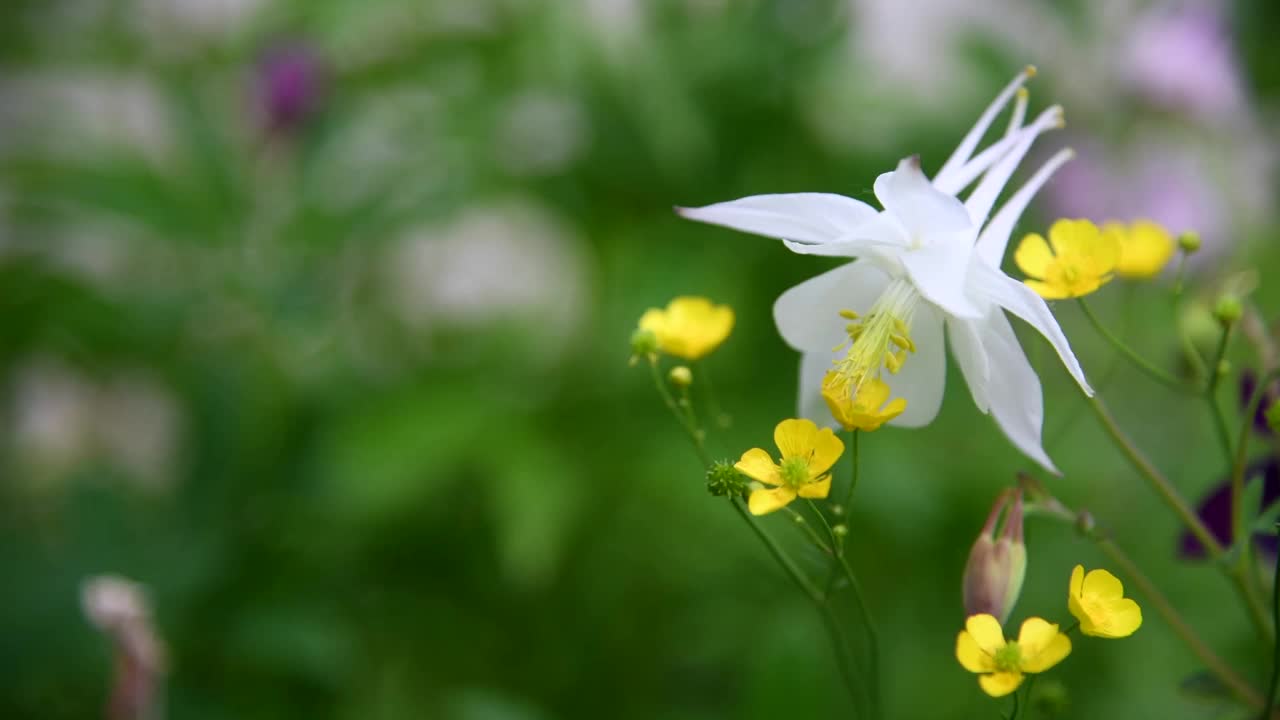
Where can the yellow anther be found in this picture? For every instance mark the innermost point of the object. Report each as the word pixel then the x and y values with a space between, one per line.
pixel 848 315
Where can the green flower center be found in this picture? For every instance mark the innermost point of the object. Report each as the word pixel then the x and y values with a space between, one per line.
pixel 795 471
pixel 1009 657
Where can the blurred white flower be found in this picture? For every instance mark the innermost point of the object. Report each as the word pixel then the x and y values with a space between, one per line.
pixel 60 419
pixel 494 263
pixel 540 133
pixel 181 26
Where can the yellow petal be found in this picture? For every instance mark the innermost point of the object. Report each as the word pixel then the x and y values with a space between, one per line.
pixel 1102 584
pixel 872 394
pixel 1145 250
pixel 986 631
pixel 817 489
pixel 1076 586
pixel 1033 256
pixel 826 451
pixel 1047 291
pixel 757 465
pixel 764 501
pixel 1042 645
pixel 971 656
pixel 695 327
pixel 1073 237
pixel 795 437
pixel 1001 683
pixel 1115 619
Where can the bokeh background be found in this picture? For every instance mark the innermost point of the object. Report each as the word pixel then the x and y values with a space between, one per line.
pixel 315 322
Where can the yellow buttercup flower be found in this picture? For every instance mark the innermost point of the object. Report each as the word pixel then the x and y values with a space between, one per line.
pixel 864 410
pixel 1145 248
pixel 1082 260
pixel 689 327
pixel 982 648
pixel 1097 600
pixel 804 470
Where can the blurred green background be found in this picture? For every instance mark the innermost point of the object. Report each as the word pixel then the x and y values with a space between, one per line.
pixel 315 321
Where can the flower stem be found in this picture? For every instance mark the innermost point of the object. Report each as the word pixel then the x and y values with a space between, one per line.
pixel 684 417
pixel 1241 533
pixel 1216 371
pixel 1212 662
pixel 1275 657
pixel 1140 362
pixel 1156 479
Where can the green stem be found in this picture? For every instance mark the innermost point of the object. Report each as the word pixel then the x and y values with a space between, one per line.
pixel 812 534
pixel 873 635
pixel 1275 657
pixel 1189 349
pixel 1181 628
pixel 1216 371
pixel 686 419
pixel 1155 479
pixel 1140 362
pixel 1241 533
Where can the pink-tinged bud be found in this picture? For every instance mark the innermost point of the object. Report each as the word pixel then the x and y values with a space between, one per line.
pixel 993 576
pixel 119 608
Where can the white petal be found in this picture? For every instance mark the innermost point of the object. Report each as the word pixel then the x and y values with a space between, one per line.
pixel 970 142
pixel 809 402
pixel 966 344
pixel 808 314
pixel 995 236
pixel 1017 403
pixel 923 377
pixel 940 272
pixel 1020 300
pixel 921 208
pixel 953 182
pixel 813 218
pixel 984 196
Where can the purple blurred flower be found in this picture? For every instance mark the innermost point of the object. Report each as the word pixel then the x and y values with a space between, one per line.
pixel 1248 385
pixel 1215 510
pixel 1183 58
pixel 291 86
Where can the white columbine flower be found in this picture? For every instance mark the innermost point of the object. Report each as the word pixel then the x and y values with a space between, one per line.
pixel 926 260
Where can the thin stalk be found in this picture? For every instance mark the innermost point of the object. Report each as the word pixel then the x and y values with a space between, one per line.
pixel 810 533
pixel 686 420
pixel 873 635
pixel 1241 533
pixel 1275 657
pixel 1140 362
pixel 1156 479
pixel 1189 349
pixel 1216 371
pixel 1212 662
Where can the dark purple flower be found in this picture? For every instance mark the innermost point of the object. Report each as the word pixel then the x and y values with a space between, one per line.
pixel 1215 510
pixel 291 86
pixel 1248 385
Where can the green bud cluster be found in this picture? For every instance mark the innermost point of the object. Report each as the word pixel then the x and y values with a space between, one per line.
pixel 724 480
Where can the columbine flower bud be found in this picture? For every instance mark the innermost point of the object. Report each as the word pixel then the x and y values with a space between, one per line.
pixel 680 376
pixel 1228 310
pixel 993 576
pixel 119 608
pixel 723 479
pixel 1189 241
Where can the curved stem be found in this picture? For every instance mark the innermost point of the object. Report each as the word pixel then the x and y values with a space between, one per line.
pixel 1212 662
pixel 1140 362
pixel 793 571
pixel 873 635
pixel 1156 479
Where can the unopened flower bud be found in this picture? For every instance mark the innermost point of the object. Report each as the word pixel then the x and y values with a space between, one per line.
pixel 1228 310
pixel 841 530
pixel 1189 241
pixel 993 576
pixel 680 376
pixel 723 479
pixel 644 343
